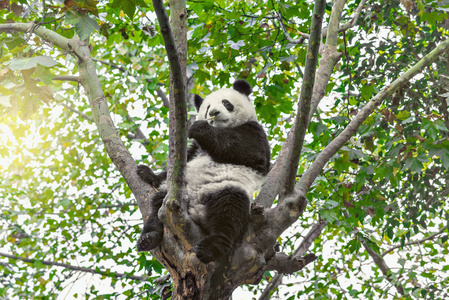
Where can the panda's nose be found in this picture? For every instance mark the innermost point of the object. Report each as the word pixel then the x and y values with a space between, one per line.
pixel 214 113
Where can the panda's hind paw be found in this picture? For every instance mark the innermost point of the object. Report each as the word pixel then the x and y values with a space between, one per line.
pixel 149 240
pixel 213 248
pixel 203 254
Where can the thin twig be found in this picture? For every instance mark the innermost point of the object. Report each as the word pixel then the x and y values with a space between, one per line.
pixel 348 70
pixel 75 268
pixel 430 237
pixel 341 28
pixel 109 64
pixel 78 112
pixel 67 78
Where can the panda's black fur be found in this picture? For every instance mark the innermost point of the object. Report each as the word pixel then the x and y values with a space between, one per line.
pixel 226 163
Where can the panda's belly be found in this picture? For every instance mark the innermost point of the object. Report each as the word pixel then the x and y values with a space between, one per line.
pixel 204 176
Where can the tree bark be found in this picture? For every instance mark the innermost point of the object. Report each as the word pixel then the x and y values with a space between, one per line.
pixel 281 178
pixel 256 254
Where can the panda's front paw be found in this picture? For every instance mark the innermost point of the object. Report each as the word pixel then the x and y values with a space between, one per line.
pixel 147 175
pixel 198 129
pixel 149 240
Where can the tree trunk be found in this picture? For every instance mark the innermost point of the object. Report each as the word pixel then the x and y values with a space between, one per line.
pixel 254 255
pixel 193 286
pixel 217 280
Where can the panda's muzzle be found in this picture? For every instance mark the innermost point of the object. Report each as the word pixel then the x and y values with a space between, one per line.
pixel 214 113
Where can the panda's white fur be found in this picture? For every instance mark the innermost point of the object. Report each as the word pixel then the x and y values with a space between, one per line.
pixel 204 176
pixel 243 109
pixel 226 165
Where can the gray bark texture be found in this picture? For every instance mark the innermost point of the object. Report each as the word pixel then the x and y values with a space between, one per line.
pixel 257 253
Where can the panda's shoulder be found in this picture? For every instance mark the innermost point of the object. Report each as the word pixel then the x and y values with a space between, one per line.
pixel 251 127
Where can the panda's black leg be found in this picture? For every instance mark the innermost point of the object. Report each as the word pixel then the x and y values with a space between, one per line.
pixel 153 230
pixel 227 221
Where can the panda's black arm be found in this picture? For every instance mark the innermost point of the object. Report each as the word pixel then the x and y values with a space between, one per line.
pixel 148 175
pixel 246 144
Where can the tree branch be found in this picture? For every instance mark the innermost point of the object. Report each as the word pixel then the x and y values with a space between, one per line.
pixel 285 264
pixel 302 117
pixel 109 64
pixel 75 268
pixel 300 251
pixel 355 18
pixel 287 212
pixel 181 230
pixel 308 177
pixel 329 57
pixel 383 267
pixel 430 237
pixel 67 78
pixel 138 133
pixel 48 35
pixel 287 163
pixel 178 108
pixel 163 97
pixel 351 23
pixel 100 111
pixel 287 35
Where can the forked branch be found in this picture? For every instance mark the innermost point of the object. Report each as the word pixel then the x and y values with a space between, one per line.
pixel 281 179
pixel 178 112
pixel 298 253
pixel 287 212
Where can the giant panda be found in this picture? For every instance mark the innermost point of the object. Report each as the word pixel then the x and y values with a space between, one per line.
pixel 226 163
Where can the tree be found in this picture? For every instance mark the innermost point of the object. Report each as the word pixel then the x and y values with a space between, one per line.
pixel 366 176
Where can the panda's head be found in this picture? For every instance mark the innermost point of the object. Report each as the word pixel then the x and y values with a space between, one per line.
pixel 227 107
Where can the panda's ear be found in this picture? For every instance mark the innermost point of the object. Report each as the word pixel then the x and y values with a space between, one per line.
pixel 242 86
pixel 197 100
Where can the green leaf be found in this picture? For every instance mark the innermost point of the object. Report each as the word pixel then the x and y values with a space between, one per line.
pixel 31 62
pixel 444 238
pixel 331 203
pixel 84 25
pixel 15 42
pixel 444 156
pixel 320 128
pixel 403 115
pixel 413 164
pixel 129 6
pixel 38 264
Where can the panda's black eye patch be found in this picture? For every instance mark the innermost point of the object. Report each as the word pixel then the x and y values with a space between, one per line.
pixel 227 104
pixel 207 110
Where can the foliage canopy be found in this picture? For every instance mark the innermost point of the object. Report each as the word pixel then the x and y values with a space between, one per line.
pixel 382 195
